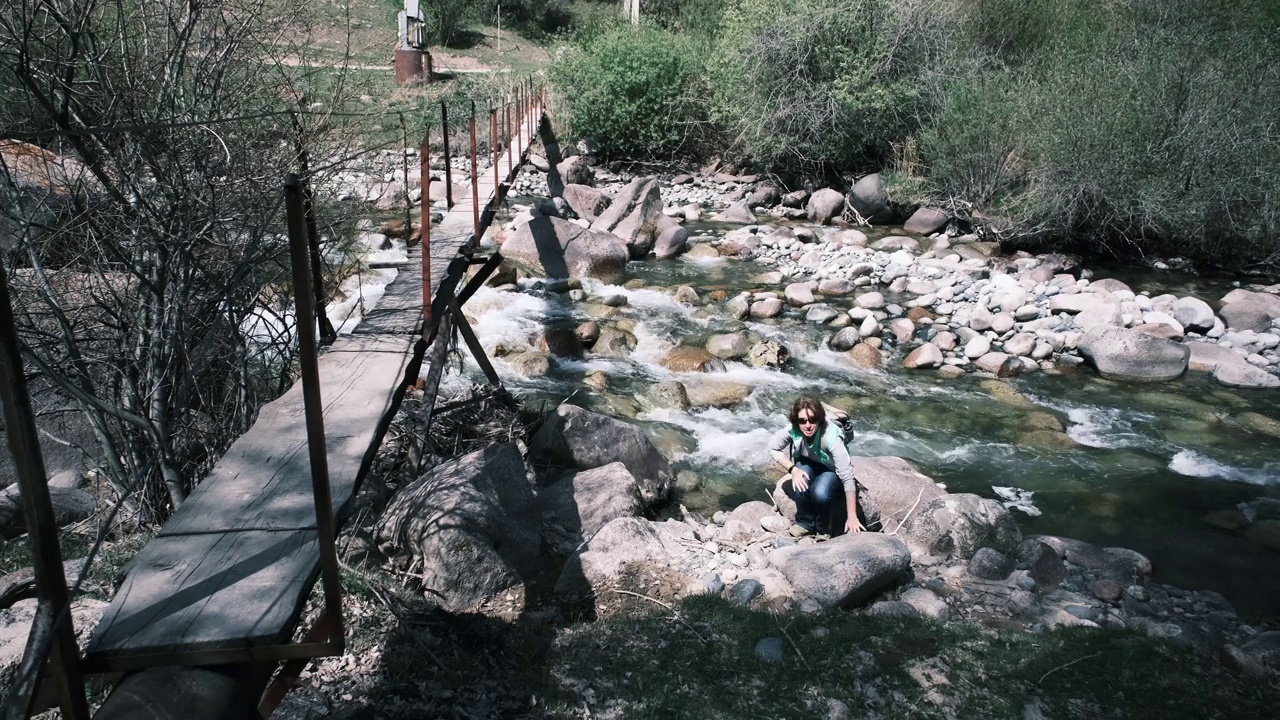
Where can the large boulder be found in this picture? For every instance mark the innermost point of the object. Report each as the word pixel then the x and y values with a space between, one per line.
pixel 824 205
pixel 1247 310
pixel 625 543
pixel 672 239
pixel 890 488
pixel 926 221
pixel 1123 354
pixel 738 213
pixel 729 346
pixel 586 500
pixel 587 202
pixel 1193 314
pixel 844 571
pixel 634 215
pixel 958 525
pixel 579 438
pixel 870 199
pixel 575 170
pixel 556 248
pixel 1243 375
pixel 69 505
pixel 469 525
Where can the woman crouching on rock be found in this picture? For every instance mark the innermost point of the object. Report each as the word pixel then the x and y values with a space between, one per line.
pixel 814 453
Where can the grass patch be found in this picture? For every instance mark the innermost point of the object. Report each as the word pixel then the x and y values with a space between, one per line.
pixel 651 666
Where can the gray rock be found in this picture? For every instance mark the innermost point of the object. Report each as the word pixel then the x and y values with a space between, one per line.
pixel 580 438
pixel 1023 603
pixel 926 221
pixel 926 356
pixel 586 202
pixel 1265 647
pixel 574 170
pixel 737 212
pixel 844 571
pixel 845 339
pixel 990 564
pixel 628 543
pixel 798 294
pixel 672 239
pixel 70 505
pixel 820 314
pixel 890 488
pixel 767 308
pixel 470 526
pixel 670 394
pixel 824 205
pixel 771 650
pixel 1193 314
pixel 713 584
pixel 587 500
pixel 927 603
pixel 1123 354
pixel 869 198
pixel 959 524
pixel 635 216
pixel 1247 310
pixel 1244 375
pixel 750 513
pixel 768 354
pixel 729 346
pixel 766 195
pixel 1043 562
pixel 740 307
pixel 556 248
pixel 892 608
pixel 744 591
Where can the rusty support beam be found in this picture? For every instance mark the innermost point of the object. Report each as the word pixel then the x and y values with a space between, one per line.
pixel 475 179
pixel 327 333
pixel 473 344
pixel 448 168
pixel 425 244
pixel 326 530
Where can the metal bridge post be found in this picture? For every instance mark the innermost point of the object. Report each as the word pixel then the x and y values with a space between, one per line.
pixel 493 139
pixel 425 170
pixel 448 168
pixel 475 179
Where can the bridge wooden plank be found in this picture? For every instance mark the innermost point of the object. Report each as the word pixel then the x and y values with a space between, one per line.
pixel 264 480
pixel 209 592
pixel 232 569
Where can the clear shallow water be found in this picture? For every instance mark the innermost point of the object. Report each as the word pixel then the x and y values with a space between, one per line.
pixel 1143 465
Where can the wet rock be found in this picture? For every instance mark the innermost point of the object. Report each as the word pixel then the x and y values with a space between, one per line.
pixel 870 301
pixel 990 564
pixel 845 339
pixel 821 314
pixel 768 354
pixel 926 356
pixel 1000 364
pixel 588 332
pixel 844 571
pixel 1243 375
pixel 767 308
pixel 729 346
pixel 561 342
pixel 575 437
pixel 691 359
pixel 865 356
pixel 1122 354
pixel 798 294
pixel 670 394
pixel 686 295
pixel 530 364
pixel 672 239
pixel 714 392
pixel 614 343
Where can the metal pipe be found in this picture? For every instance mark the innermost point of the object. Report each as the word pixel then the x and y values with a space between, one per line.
pixel 506 119
pixel 425 246
pixel 52 632
pixel 327 333
pixel 448 168
pixel 314 410
pixel 475 180
pixel 493 137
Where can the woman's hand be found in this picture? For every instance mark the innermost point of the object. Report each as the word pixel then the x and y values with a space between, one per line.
pixel 852 525
pixel 799 480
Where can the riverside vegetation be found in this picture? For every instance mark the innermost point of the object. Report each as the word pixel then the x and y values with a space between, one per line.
pixel 1129 128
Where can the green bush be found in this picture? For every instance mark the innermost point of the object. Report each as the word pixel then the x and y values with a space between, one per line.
pixel 828 81
pixel 631 90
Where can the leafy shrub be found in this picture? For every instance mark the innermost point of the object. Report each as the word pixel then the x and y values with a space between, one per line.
pixel 828 81
pixel 629 90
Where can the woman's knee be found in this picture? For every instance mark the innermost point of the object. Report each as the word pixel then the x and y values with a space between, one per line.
pixel 825 487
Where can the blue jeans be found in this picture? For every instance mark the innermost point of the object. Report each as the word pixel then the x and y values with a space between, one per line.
pixel 822 507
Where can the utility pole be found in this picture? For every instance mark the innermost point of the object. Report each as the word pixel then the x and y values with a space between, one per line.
pixel 631 8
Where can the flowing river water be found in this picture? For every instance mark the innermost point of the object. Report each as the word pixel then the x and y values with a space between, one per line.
pixel 1147 464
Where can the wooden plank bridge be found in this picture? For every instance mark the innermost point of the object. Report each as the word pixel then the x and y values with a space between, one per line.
pixel 227 577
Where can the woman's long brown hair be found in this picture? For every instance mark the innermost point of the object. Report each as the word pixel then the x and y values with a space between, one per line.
pixel 813 406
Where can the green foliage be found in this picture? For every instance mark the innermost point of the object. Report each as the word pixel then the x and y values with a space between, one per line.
pixel 630 89
pixel 1132 127
pixel 827 81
